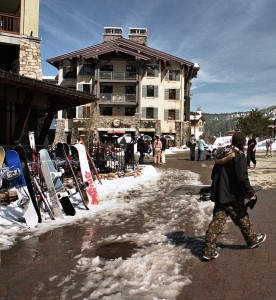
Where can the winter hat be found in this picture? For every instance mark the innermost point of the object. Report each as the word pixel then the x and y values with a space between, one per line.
pixel 238 139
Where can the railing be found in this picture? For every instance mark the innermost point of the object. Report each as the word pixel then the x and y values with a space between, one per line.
pixel 111 75
pixel 9 23
pixel 118 98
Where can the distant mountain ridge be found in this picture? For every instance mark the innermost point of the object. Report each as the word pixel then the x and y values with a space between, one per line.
pixel 220 124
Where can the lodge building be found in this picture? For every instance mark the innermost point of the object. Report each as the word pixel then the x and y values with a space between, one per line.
pixel 137 89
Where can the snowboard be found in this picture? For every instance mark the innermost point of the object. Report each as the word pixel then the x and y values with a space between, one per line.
pixel 33 147
pixel 51 189
pixel 90 189
pixel 91 161
pixel 2 157
pixel 26 172
pixel 80 186
pixel 25 202
pixel 52 180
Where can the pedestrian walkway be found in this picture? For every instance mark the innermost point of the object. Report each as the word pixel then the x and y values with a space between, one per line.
pixel 239 272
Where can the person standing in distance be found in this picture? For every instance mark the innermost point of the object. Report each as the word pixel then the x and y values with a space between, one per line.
pixel 230 187
pixel 192 145
pixel 157 146
pixel 200 149
pixel 251 150
pixel 164 147
pixel 141 148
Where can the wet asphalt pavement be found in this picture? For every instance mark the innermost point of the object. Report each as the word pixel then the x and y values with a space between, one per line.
pixel 40 267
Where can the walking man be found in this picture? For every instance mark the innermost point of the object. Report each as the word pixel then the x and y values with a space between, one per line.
pixel 230 187
pixel 251 150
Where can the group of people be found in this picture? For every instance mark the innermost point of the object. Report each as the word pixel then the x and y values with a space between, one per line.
pixel 157 146
pixel 202 146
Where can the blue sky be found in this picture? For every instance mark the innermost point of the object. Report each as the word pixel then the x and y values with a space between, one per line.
pixel 234 42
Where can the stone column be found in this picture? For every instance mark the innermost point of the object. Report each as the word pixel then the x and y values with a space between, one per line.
pixel 30 58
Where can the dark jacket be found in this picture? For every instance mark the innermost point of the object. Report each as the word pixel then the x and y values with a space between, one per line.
pixel 164 143
pixel 230 180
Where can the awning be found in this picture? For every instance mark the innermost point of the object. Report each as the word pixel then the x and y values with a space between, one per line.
pixel 115 131
pixel 146 129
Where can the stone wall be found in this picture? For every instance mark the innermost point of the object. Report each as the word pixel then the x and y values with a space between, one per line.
pixel 107 122
pixel 30 58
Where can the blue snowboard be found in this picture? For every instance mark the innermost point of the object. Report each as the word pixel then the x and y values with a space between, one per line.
pixel 19 183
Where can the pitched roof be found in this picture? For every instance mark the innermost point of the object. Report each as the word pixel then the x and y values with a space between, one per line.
pixel 122 45
pixel 64 97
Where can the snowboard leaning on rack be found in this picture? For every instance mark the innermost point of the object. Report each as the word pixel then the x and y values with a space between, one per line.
pixel 80 186
pixel 26 172
pixel 91 161
pixel 2 157
pixel 54 184
pixel 25 201
pixel 87 178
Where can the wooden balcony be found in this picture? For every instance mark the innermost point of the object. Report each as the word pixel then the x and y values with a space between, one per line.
pixel 117 76
pixel 106 98
pixel 9 23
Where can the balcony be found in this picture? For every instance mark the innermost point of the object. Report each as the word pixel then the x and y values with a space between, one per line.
pixel 117 98
pixel 111 75
pixel 9 23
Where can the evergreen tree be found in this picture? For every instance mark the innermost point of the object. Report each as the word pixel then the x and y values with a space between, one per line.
pixel 255 122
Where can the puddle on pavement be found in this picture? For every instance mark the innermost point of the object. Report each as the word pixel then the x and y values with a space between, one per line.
pixel 116 250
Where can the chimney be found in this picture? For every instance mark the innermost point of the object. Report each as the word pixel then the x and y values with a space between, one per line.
pixel 138 35
pixel 112 33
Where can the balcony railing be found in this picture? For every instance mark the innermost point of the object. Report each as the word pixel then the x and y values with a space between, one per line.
pixel 111 75
pixel 9 23
pixel 118 98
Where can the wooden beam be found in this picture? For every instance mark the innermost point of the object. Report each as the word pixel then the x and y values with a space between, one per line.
pixel 23 118
pixel 46 125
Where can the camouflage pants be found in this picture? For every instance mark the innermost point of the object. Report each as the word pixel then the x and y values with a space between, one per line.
pixel 238 213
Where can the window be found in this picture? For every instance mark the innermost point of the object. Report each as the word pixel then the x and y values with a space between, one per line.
pixel 171 114
pixel 131 72
pixel 130 93
pixel 107 68
pixel 150 91
pixel 172 94
pixel 105 111
pixel 130 111
pixel 85 69
pixel 69 113
pixel 106 89
pixel 70 72
pixel 85 88
pixel 150 113
pixel 130 90
pixel 173 75
pixel 130 68
pixel 152 71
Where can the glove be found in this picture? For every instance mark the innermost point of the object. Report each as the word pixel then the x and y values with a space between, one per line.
pixel 251 202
